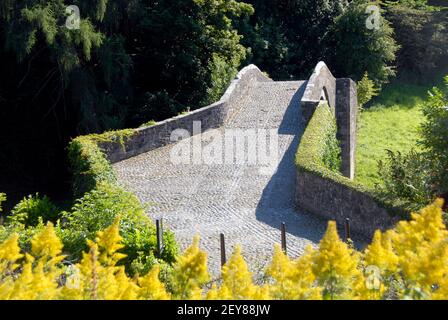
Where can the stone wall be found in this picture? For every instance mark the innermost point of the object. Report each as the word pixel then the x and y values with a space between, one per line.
pixel 334 200
pixel 346 119
pixel 325 193
pixel 320 86
pixel 342 98
pixel 212 116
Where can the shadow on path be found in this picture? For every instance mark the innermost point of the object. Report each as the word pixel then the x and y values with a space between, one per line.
pixel 277 201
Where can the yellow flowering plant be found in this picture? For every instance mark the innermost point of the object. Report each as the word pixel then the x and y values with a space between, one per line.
pixel 407 262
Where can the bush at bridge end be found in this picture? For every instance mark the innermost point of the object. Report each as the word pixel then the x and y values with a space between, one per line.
pixel 89 163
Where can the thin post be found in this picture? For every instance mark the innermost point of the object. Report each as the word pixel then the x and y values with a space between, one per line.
pixel 223 250
pixel 347 229
pixel 159 238
pixel 162 242
pixel 283 229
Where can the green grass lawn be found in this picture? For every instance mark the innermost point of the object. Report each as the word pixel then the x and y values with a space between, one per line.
pixel 392 122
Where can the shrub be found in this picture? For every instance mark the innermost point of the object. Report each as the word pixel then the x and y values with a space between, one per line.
pixel 33 209
pixel 418 178
pixel 98 209
pixel 89 166
pixel 409 177
pixel 89 163
pixel 366 90
pixel 435 134
pixel 24 234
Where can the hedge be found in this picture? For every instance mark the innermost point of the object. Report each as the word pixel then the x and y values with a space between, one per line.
pixel 311 150
pixel 89 164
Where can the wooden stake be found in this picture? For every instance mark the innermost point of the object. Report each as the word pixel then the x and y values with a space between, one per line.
pixel 283 229
pixel 159 238
pixel 223 250
pixel 347 229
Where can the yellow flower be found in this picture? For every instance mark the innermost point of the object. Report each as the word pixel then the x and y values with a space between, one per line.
pixel 109 242
pixel 420 245
pixel 46 243
pixel 335 265
pixel 190 272
pixel 151 288
pixel 237 281
pixel 293 280
pixel 9 254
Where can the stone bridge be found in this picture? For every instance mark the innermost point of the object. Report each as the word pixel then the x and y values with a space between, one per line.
pixel 242 198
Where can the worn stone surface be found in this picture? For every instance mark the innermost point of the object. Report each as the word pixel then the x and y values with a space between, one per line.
pixel 238 200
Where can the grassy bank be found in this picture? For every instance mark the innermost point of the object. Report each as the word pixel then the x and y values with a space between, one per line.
pixel 391 122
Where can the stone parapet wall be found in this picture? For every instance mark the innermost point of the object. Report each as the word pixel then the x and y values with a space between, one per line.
pixel 212 116
pixel 318 190
pixel 337 201
pixel 341 96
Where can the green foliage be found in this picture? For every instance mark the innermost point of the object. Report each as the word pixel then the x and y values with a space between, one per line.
pixel 2 199
pixel 221 75
pixel 286 38
pixel 160 105
pixel 89 166
pixel 413 4
pixel 145 262
pixel 358 49
pixel 319 149
pixel 98 209
pixel 435 135
pixel 366 90
pixel 34 210
pixel 95 211
pixel 33 27
pixel 418 177
pixel 423 38
pixel 25 233
pixel 409 177
pixel 193 50
pixel 391 122
pixel 150 123
pixel 332 152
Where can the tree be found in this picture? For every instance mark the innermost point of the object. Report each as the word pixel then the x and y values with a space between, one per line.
pixel 366 90
pixel 57 83
pixel 129 62
pixel 423 39
pixel 187 52
pixel 286 38
pixel 355 48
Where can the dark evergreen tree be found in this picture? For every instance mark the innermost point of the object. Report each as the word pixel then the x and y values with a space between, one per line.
pixel 130 61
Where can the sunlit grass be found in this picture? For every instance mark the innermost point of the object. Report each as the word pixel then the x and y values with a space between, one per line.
pixel 392 122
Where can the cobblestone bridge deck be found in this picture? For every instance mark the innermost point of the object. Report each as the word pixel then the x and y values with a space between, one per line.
pixel 236 199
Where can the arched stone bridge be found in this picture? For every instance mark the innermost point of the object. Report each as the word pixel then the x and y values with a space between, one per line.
pixel 238 198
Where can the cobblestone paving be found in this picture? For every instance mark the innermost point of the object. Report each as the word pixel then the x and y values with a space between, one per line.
pixel 237 199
